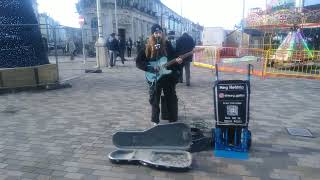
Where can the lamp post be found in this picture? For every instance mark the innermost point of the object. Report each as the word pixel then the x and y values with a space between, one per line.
pixel 242 23
pixel 115 15
pixel 101 57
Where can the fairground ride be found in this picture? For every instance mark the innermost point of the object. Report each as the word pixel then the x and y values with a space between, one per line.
pixel 288 34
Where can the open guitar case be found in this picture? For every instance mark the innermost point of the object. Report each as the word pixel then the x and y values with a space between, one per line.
pixel 161 147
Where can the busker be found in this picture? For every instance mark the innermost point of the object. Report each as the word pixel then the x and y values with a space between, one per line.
pixel 157 46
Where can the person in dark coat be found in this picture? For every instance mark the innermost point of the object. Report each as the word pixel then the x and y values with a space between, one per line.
pixel 172 39
pixel 122 48
pixel 184 44
pixel 157 46
pixel 129 47
pixel 113 46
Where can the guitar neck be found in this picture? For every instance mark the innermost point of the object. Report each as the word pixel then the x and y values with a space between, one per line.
pixel 174 60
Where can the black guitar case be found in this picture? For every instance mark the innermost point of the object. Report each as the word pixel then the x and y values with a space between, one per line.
pixel 162 147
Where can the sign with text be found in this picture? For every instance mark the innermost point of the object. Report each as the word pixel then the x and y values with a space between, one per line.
pixel 232 102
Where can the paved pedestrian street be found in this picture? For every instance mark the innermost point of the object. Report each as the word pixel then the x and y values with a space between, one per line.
pixel 67 133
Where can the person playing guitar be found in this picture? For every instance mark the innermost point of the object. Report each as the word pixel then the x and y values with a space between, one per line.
pixel 152 60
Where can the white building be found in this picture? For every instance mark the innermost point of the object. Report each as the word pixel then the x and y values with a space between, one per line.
pixel 213 36
pixel 134 19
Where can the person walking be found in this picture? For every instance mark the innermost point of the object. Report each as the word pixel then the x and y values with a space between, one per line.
pixel 172 39
pixel 113 47
pixel 157 47
pixel 129 46
pixel 122 48
pixel 71 48
pixel 184 44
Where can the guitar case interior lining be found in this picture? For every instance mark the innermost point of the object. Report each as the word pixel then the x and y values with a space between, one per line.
pixel 163 147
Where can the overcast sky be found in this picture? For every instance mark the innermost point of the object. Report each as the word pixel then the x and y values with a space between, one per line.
pixel 212 13
pixel 209 13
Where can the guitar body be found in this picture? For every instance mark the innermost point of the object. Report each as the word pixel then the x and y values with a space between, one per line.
pixel 163 63
pixel 152 77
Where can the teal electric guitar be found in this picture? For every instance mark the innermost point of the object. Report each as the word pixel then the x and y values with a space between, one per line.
pixel 163 63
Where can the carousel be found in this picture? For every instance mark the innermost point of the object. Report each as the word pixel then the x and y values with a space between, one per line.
pixel 288 33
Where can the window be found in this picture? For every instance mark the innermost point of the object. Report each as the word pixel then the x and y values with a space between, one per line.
pixel 94 23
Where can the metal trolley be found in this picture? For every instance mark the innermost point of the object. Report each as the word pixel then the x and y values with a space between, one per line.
pixel 231 102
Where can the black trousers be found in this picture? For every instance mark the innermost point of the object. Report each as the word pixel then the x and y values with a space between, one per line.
pixel 169 90
pixel 129 51
pixel 121 54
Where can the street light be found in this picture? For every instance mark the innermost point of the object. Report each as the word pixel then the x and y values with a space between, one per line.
pixel 115 15
pixel 101 57
pixel 242 23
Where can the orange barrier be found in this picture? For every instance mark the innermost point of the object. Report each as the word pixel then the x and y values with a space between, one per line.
pixel 292 64
pixel 267 63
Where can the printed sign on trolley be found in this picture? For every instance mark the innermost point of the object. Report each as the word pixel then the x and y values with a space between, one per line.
pixel 232 103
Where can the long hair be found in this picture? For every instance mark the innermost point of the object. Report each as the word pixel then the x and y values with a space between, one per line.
pixel 151 51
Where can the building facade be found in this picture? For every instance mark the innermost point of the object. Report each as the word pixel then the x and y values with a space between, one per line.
pixel 133 18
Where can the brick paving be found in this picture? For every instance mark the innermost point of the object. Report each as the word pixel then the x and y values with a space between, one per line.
pixel 66 133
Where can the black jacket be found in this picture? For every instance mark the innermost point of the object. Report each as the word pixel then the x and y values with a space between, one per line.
pixel 142 62
pixel 184 44
pixel 113 44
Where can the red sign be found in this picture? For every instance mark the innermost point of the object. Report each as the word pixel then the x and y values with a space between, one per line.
pixel 81 20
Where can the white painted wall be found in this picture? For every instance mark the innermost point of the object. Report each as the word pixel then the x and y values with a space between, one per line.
pixel 213 36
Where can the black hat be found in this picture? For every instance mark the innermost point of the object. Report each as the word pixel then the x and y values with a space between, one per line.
pixel 155 28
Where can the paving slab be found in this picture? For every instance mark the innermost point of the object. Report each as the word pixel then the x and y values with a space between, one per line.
pixel 66 133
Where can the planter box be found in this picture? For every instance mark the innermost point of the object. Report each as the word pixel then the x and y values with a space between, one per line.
pixel 28 76
pixel 47 74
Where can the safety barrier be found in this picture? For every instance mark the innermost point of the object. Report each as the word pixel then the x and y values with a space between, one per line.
pixel 290 63
pixel 230 59
pixel 205 58
pixel 267 63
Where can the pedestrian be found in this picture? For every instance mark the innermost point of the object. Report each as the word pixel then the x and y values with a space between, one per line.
pixel 185 44
pixel 129 46
pixel 172 39
pixel 113 46
pixel 156 47
pixel 71 48
pixel 45 45
pixel 122 48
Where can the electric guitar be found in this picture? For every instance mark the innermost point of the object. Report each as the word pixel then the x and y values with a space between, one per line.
pixel 163 63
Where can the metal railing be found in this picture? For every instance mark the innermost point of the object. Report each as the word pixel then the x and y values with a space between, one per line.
pixel 267 63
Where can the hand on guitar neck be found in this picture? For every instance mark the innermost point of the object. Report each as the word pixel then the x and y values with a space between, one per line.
pixel 179 60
